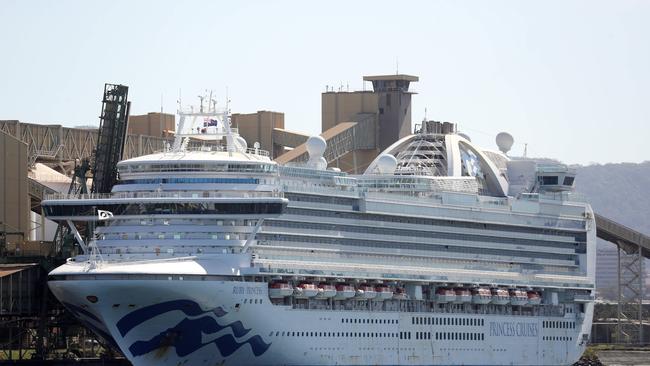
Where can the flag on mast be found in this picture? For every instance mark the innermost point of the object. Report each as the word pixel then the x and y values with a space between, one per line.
pixel 104 215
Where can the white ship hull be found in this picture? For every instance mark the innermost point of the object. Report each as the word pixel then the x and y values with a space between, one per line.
pixel 195 322
pixel 180 274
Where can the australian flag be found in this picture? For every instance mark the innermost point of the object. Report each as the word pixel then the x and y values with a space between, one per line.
pixel 207 122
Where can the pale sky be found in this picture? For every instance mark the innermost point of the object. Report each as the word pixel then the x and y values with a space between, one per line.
pixel 570 78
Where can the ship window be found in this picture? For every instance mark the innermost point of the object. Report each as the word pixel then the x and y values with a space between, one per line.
pixel 549 180
pixel 568 181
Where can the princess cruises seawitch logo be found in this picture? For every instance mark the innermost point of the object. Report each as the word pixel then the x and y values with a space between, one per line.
pixel 187 336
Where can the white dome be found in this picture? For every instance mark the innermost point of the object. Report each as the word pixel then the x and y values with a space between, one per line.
pixel 316 146
pixel 386 164
pixel 504 141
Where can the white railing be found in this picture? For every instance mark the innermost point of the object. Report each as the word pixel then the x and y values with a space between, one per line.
pixel 220 148
pixel 555 196
pixel 128 195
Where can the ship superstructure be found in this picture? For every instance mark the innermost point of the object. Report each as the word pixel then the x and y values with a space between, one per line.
pixel 440 253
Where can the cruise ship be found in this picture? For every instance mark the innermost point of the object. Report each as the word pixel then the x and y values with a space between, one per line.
pixel 440 253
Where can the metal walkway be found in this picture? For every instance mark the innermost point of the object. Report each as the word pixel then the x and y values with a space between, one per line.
pixel 631 241
pixel 341 139
pixel 50 143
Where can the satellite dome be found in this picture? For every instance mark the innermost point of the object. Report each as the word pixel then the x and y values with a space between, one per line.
pixel 504 141
pixel 316 146
pixel 322 163
pixel 386 164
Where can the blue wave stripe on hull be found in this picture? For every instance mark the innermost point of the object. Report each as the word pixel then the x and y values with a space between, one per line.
pixel 186 337
pixel 137 317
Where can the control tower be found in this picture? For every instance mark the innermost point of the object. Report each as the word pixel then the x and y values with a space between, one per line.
pixel 393 106
pixel 389 104
pixel 360 124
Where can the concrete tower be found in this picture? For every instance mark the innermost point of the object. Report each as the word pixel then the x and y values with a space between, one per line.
pixel 393 106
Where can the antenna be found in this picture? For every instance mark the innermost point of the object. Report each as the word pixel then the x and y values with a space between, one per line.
pixel 161 103
pixel 227 102
pixel 397 65
pixel 525 150
pixel 201 97
pixel 425 113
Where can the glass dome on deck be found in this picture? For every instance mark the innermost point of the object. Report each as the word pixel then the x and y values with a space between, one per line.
pixel 444 154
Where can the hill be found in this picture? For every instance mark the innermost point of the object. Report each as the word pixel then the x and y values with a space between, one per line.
pixel 620 192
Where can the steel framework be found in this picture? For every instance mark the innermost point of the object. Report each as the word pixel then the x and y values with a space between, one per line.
pixel 631 284
pixel 55 143
pixel 112 136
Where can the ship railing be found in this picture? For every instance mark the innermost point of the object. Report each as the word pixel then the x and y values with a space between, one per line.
pixel 200 194
pixel 554 168
pixel 555 196
pixel 583 298
pixel 329 191
pixel 438 198
pixel 221 148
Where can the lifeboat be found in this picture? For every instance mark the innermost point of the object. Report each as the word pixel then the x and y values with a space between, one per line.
pixel 534 298
pixel 500 296
pixel 445 295
pixel 305 289
pixel 278 290
pixel 345 292
pixel 384 292
pixel 518 297
pixel 326 291
pixel 400 294
pixel 481 295
pixel 367 291
pixel 462 295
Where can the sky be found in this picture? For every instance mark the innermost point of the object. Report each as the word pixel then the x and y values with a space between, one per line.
pixel 571 79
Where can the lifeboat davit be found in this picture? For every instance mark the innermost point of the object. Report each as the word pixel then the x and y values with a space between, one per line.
pixel 462 295
pixel 367 291
pixel 518 297
pixel 305 289
pixel 325 291
pixel 500 296
pixel 400 294
pixel 534 298
pixel 384 292
pixel 278 290
pixel 481 295
pixel 445 295
pixel 344 292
